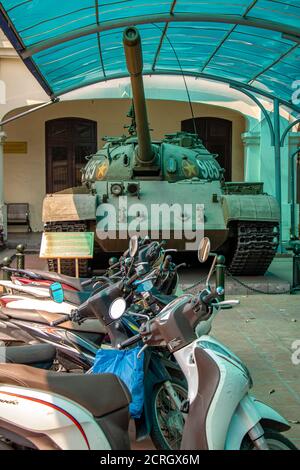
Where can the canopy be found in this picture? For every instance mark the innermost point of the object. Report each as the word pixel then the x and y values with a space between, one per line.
pixel 71 44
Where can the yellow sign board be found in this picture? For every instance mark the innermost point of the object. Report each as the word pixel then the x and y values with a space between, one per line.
pixel 15 147
pixel 67 245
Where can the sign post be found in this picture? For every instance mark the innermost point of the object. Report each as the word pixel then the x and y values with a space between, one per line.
pixel 67 245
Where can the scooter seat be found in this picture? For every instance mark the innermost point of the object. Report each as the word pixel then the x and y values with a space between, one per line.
pixel 101 394
pixel 34 354
pixel 42 316
pixel 56 277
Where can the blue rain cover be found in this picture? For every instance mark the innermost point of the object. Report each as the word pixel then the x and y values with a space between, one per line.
pixel 126 365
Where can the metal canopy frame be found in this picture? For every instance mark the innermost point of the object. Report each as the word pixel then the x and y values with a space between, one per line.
pixel 263 109
pixel 287 31
pixel 291 31
pixel 28 111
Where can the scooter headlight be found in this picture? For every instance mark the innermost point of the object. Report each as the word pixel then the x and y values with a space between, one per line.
pixel 117 308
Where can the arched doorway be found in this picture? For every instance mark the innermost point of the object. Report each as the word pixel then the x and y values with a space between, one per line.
pixel 216 135
pixel 68 141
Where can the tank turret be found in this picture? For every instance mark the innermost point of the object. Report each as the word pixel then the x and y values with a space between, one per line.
pixel 145 155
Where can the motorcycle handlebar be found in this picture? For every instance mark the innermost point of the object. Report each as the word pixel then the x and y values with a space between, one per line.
pixel 60 320
pixel 132 279
pixel 87 282
pixel 130 341
pixel 182 265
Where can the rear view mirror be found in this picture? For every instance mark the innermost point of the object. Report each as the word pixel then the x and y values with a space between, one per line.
pixel 56 292
pixel 204 249
pixel 133 246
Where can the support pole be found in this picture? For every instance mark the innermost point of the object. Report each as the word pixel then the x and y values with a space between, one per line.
pixel 296 264
pixel 3 217
pixel 29 111
pixel 220 275
pixel 6 263
pixel 277 156
pixel 262 108
pixel 293 202
pixel 20 256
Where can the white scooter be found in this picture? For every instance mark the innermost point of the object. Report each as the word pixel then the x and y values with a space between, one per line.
pixel 45 410
pixel 221 412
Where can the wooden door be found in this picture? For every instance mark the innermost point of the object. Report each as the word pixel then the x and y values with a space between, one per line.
pixel 68 142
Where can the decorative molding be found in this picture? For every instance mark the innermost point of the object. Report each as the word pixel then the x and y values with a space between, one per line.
pixel 251 138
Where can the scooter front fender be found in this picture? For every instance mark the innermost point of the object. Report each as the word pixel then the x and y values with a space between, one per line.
pixel 249 412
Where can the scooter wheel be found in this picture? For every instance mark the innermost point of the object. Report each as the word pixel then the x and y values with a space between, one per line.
pixel 275 441
pixel 168 423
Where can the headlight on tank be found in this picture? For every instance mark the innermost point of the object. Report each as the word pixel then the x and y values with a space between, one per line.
pixel 133 189
pixel 116 189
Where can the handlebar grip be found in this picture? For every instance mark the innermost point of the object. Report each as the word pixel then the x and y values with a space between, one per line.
pixel 130 341
pixel 60 320
pixel 133 278
pixel 206 298
pixel 182 265
pixel 87 282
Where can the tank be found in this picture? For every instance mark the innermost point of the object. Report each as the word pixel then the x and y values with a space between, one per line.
pixel 132 174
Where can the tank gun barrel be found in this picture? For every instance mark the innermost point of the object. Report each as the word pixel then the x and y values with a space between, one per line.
pixel 134 61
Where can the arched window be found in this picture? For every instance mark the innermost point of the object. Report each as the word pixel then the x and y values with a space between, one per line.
pixel 216 135
pixel 68 141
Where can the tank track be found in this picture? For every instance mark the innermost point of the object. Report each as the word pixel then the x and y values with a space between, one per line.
pixel 255 248
pixel 67 266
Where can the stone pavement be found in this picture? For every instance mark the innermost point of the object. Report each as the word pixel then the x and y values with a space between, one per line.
pixel 261 331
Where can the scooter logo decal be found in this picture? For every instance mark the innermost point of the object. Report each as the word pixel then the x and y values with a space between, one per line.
pixel 9 402
pixel 57 408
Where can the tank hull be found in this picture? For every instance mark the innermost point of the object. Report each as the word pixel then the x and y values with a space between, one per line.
pixel 242 225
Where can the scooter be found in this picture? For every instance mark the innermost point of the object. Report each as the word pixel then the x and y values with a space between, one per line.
pixel 159 386
pixel 220 413
pixel 148 253
pixel 36 317
pixel 162 375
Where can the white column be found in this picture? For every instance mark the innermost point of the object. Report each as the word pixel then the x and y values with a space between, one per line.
pixel 251 141
pixel 3 218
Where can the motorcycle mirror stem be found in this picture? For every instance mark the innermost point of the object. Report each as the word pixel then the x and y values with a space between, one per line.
pixel 133 246
pixel 211 269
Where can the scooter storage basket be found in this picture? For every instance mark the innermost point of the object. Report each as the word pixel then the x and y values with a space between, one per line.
pixel 129 368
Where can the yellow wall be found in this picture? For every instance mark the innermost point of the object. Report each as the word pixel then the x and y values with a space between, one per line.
pixel 25 174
